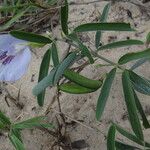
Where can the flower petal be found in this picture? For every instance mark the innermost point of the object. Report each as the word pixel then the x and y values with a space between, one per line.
pixel 8 43
pixel 17 67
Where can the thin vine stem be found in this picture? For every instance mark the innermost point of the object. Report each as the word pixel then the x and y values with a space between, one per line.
pixel 94 53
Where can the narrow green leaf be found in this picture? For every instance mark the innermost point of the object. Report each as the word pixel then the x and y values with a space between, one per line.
pixel 2 126
pixel 52 2
pixel 30 123
pixel 35 119
pixel 104 15
pixel 103 18
pixel 64 17
pixel 128 135
pixel 81 80
pixel 84 50
pixel 140 62
pixel 74 88
pixel 122 146
pixel 148 39
pixel 104 93
pixel 103 27
pixel 111 138
pixel 133 56
pixel 119 44
pixel 55 55
pixel 5 120
pixel 11 8
pixel 17 133
pixel 14 19
pixel 139 83
pixel 31 37
pixel 43 73
pixel 141 111
pixel 16 142
pixel 131 105
pixel 63 66
pixel 44 83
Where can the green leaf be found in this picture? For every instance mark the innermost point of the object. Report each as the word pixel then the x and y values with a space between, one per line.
pixel 31 37
pixel 64 17
pixel 104 93
pixel 103 18
pixel 63 66
pixel 3 119
pixel 128 135
pixel 2 126
pixel 122 146
pixel 103 27
pixel 111 138
pixel 133 56
pixel 119 44
pixel 141 111
pixel 81 80
pixel 148 39
pixel 15 18
pixel 139 83
pixel 140 62
pixel 17 133
pixel 43 73
pixel 52 2
pixel 11 8
pixel 30 123
pixel 84 50
pixel 74 88
pixel 16 142
pixel 44 83
pixel 55 55
pixel 131 105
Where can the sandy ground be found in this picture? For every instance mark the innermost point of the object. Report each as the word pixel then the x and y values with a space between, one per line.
pixel 80 107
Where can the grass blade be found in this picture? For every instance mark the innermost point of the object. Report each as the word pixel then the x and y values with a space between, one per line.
pixel 103 27
pixel 103 18
pixel 133 56
pixel 131 105
pixel 119 44
pixel 30 123
pixel 4 120
pixel 31 37
pixel 111 138
pixel 43 73
pixel 17 133
pixel 16 142
pixel 14 19
pixel 104 93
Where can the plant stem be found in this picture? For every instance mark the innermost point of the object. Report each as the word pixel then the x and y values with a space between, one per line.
pixel 93 53
pixel 107 60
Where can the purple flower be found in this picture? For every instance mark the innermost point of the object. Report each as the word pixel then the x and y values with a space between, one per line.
pixel 15 56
